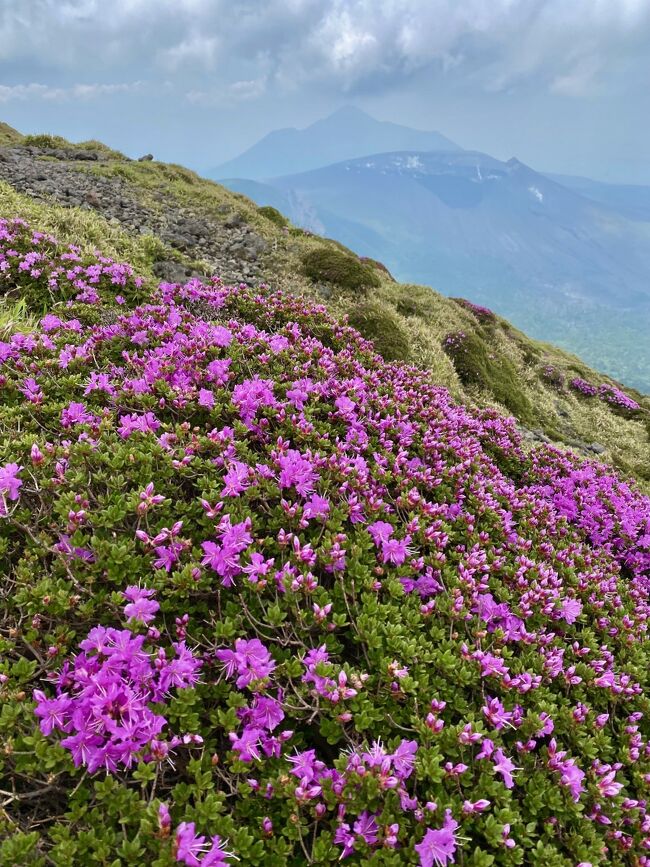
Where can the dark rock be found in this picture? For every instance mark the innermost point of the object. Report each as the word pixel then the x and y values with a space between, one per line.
pixel 232 250
pixel 172 272
pixel 234 221
pixel 145 158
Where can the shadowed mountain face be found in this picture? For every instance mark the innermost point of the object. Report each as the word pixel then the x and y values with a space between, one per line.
pixel 346 134
pixel 563 265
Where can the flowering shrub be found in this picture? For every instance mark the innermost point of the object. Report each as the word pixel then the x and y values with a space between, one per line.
pixel 34 268
pixel 483 314
pixel 617 398
pixel 608 393
pixel 584 387
pixel 103 700
pixel 361 622
pixel 553 376
pixel 454 342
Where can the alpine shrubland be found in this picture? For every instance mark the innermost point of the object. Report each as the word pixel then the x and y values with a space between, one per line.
pixel 515 381
pixel 269 596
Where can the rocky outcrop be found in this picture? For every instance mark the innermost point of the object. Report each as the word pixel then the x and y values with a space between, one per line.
pixel 223 244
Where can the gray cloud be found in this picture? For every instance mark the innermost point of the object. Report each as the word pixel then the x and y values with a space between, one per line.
pixel 344 44
pixel 562 84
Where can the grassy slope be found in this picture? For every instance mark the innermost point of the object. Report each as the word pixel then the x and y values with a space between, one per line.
pixel 9 135
pixel 418 317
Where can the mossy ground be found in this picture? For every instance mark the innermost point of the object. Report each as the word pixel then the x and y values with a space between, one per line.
pixel 508 364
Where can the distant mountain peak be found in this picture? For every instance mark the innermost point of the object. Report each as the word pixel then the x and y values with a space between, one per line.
pixel 349 110
pixel 347 133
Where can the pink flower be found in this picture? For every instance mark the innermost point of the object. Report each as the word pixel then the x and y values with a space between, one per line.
pixel 250 660
pixel 164 819
pixel 297 471
pixel 479 806
pixel 381 532
pixel 608 787
pixel 570 610
pixel 504 766
pixel 439 846
pixel 9 481
pixel 192 848
pixel 141 606
pixel 206 398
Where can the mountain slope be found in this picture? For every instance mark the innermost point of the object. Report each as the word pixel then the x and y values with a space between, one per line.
pixel 558 263
pixel 631 200
pixel 8 135
pixel 171 224
pixel 347 133
pixel 269 599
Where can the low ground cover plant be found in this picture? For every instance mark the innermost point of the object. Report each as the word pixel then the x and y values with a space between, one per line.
pixel 267 598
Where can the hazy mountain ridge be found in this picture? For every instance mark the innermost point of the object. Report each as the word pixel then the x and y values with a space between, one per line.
pixel 347 133
pixel 631 200
pixel 557 261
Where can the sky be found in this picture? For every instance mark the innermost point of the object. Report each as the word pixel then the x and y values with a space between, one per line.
pixel 564 85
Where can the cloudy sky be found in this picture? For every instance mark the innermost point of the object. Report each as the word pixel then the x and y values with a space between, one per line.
pixel 562 84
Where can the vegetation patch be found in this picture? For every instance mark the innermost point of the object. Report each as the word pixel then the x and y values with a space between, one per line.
pixel 478 364
pixel 376 323
pixel 330 265
pixel 45 140
pixel 37 272
pixel 483 314
pixel 272 214
pixel 9 136
pixel 375 263
pixel 553 377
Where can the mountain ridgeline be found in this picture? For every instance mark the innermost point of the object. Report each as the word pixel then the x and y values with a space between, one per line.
pixel 347 133
pixel 567 259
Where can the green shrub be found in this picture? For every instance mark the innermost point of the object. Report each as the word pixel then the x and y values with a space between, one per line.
pixel 375 263
pixel 341 269
pixel 377 324
pixel 478 364
pixel 45 140
pixel 273 215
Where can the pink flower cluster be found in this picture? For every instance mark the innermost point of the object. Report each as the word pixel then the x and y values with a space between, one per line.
pixel 102 699
pixel 608 393
pixel 67 270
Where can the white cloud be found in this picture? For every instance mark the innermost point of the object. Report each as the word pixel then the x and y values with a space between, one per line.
pixel 76 91
pixel 29 91
pixel 195 50
pixel 236 91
